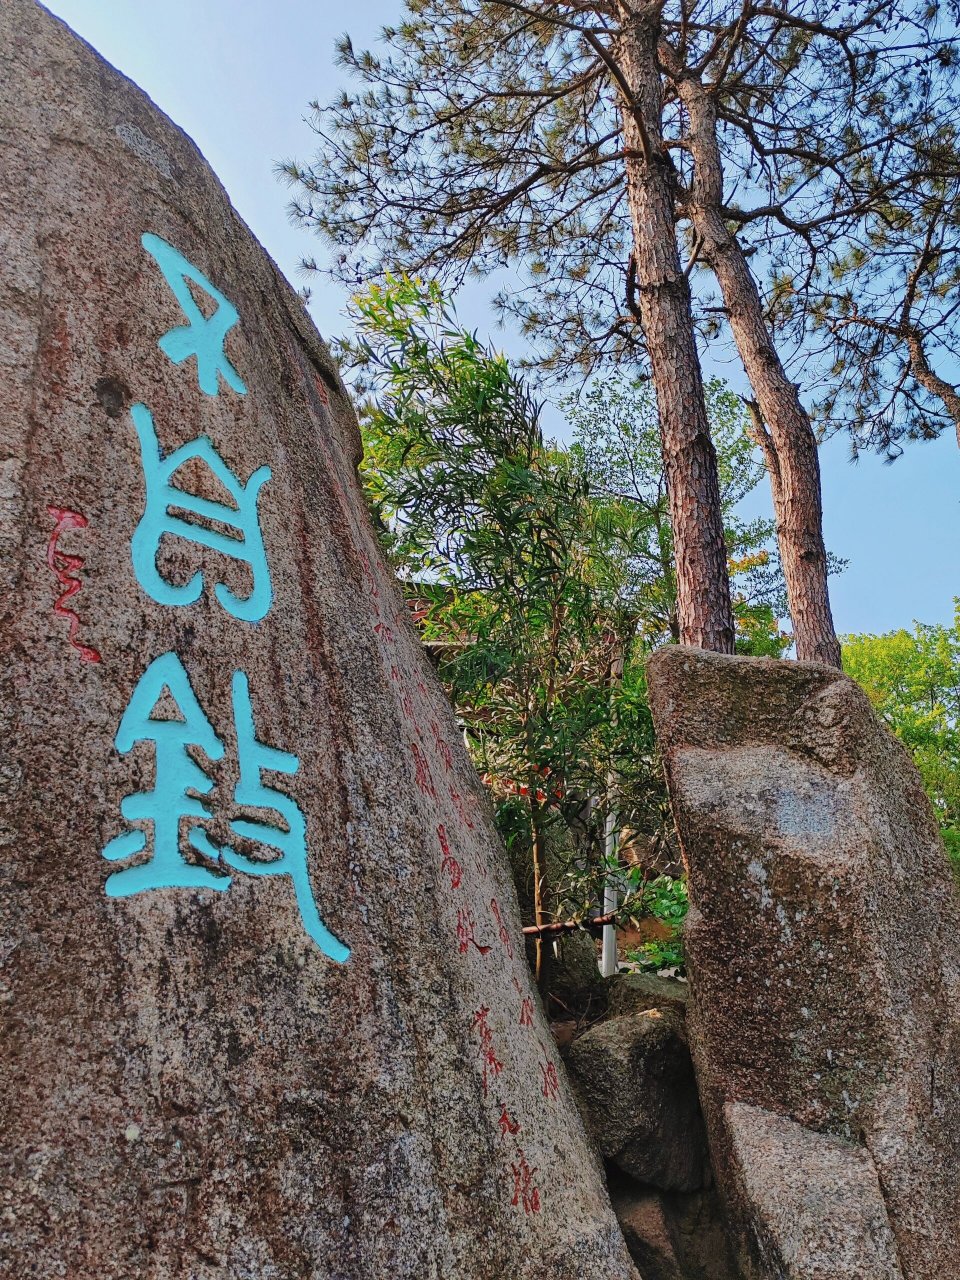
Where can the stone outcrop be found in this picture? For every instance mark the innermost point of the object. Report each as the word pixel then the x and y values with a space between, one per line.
pixel 633 1078
pixel 265 1002
pixel 816 1208
pixel 823 946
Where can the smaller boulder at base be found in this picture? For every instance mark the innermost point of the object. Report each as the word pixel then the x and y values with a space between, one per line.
pixel 818 1210
pixel 635 1083
pixel 823 948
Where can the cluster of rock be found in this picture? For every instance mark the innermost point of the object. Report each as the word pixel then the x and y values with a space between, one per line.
pixel 633 1077
pixel 822 1030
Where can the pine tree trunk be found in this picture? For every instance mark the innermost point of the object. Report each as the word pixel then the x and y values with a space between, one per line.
pixel 930 381
pixel 795 480
pixel 703 587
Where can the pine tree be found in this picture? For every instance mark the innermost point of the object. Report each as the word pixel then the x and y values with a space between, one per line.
pixel 590 142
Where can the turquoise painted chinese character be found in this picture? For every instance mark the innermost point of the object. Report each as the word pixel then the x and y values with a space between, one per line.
pixel 255 757
pixel 202 337
pixel 157 519
pixel 176 774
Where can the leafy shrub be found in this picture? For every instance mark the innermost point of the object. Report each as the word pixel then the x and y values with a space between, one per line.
pixel 666 899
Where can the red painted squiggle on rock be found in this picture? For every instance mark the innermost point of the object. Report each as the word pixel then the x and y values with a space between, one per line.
pixel 64 566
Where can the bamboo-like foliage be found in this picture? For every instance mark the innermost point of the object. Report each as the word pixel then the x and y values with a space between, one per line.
pixel 913 679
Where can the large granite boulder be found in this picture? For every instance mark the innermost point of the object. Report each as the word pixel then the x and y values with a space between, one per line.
pixel 823 946
pixel 266 1007
pixel 632 992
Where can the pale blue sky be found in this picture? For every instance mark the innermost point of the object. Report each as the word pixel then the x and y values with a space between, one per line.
pixel 237 76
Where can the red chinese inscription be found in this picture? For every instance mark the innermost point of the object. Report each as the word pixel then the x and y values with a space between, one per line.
pixel 64 566
pixel 492 1066
pixel 424 777
pixel 502 929
pixel 526 1012
pixel 508 1126
pixel 467 932
pixel 457 801
pixel 385 633
pixel 449 864
pixel 525 1190
pixel 369 581
pixel 442 746
pixel 551 1081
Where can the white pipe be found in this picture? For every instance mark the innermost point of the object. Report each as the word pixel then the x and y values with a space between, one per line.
pixel 608 950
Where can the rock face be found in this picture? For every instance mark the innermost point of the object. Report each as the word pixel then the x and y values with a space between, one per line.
pixel 817 1208
pixel 266 1008
pixel 823 945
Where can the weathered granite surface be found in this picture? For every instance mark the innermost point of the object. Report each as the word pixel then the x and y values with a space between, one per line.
pixel 823 946
pixel 634 992
pixel 195 1080
pixel 817 1208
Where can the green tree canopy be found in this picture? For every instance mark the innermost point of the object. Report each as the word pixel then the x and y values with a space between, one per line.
pixel 615 434
pixel 538 572
pixel 913 680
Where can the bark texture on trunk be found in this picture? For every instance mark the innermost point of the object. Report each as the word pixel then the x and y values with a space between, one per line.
pixel 931 381
pixel 703 587
pixel 788 437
